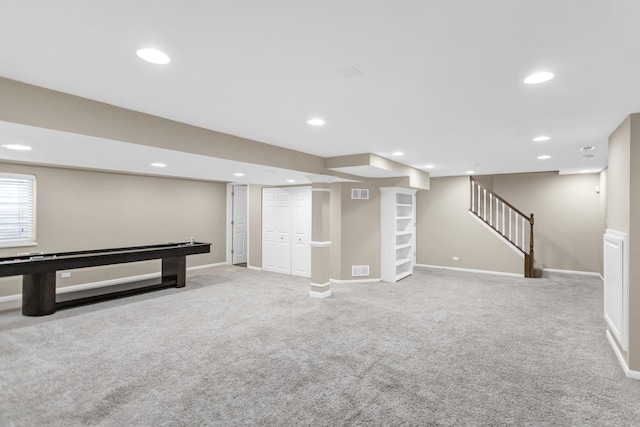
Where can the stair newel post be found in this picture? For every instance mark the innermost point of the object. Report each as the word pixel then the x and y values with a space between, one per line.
pixel 531 262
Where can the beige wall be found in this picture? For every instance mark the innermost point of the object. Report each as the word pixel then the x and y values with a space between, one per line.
pixel 569 221
pixel 634 250
pixel 604 195
pixel 445 229
pixel 79 210
pixel 360 231
pixel 335 226
pixel 618 178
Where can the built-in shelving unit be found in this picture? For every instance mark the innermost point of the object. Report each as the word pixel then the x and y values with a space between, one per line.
pixel 397 233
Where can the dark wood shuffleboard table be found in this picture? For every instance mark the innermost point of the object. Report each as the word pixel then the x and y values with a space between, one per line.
pixel 39 273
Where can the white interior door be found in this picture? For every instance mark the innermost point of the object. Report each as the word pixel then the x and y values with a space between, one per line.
pixel 283 232
pixel 301 228
pixel 276 225
pixel 239 225
pixel 268 229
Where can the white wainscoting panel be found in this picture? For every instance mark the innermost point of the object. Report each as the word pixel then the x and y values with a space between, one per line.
pixel 616 285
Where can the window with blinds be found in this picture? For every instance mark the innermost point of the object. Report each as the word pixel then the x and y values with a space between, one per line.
pixel 17 210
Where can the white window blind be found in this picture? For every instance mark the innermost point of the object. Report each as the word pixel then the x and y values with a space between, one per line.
pixel 17 210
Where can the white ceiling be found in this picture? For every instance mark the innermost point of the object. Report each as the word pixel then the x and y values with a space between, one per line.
pixel 439 80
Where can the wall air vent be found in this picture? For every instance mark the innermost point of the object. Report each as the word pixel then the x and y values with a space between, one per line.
pixel 360 193
pixel 359 270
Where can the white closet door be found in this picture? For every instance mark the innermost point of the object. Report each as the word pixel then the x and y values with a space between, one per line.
pixel 269 235
pixel 286 230
pixel 301 227
pixel 239 224
pixel 283 232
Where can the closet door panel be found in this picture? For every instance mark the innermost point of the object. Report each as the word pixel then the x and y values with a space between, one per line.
pixel 301 249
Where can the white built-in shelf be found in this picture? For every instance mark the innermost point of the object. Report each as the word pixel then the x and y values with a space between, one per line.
pixel 397 232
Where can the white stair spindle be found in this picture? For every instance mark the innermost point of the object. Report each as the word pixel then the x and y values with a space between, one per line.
pixel 490 209
pixel 509 224
pixel 485 204
pixel 473 193
pixel 523 246
pixel 503 205
pixel 516 242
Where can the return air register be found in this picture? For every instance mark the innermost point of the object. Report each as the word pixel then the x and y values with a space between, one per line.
pixel 359 270
pixel 360 193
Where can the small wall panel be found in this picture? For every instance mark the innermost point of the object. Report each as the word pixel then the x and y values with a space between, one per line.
pixel 616 285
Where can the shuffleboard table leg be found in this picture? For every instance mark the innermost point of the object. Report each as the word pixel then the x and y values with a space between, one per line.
pixel 175 269
pixel 39 294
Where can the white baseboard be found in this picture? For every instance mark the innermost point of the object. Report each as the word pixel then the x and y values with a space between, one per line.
pixel 251 267
pixel 202 267
pixel 8 298
pixel 471 270
pixel 110 282
pixel 324 294
pixel 323 285
pixel 579 273
pixel 628 372
pixel 340 282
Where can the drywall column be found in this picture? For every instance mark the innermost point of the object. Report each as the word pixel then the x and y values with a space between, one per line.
pixel 634 247
pixel 623 216
pixel 320 240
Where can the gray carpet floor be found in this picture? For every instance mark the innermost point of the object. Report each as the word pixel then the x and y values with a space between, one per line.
pixel 241 347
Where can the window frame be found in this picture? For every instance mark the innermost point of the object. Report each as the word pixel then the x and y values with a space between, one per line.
pixel 30 240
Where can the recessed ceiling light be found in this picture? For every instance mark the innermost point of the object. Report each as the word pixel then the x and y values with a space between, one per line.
pixel 397 153
pixel 238 174
pixel 291 180
pixel 154 56
pixel 544 157
pixel 315 122
pixel 17 147
pixel 540 77
pixel 158 165
pixel 470 172
pixel 541 138
pixel 429 166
